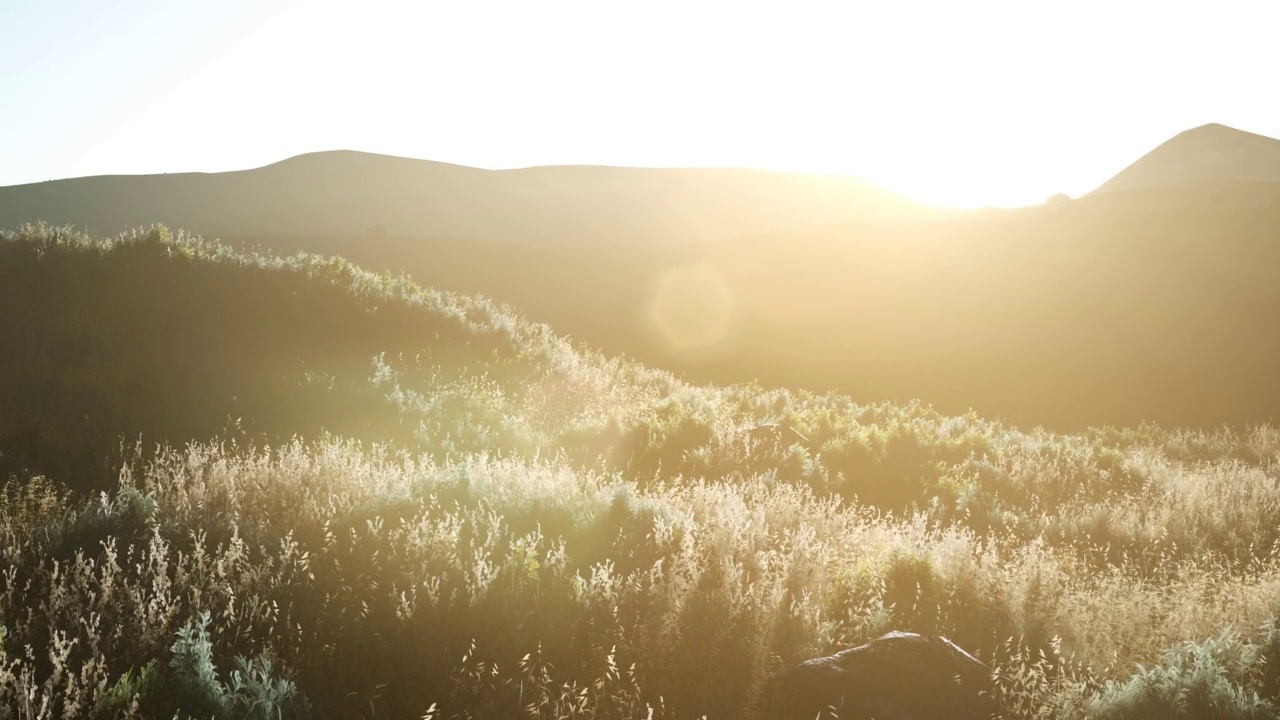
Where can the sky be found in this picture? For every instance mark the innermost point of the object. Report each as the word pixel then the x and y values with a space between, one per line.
pixel 970 104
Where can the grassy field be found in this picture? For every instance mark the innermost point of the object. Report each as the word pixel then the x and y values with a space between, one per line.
pixel 250 487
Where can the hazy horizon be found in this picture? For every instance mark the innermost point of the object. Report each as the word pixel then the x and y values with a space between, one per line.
pixel 1063 100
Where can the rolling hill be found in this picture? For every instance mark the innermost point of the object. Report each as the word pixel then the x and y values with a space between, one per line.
pixel 352 193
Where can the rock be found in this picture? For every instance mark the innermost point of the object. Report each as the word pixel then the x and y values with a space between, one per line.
pixel 899 676
pixel 777 432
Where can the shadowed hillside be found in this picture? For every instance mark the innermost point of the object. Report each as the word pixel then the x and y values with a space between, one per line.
pixel 1114 308
pixel 347 193
pixel 169 340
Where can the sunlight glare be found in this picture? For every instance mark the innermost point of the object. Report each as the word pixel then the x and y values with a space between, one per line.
pixel 692 308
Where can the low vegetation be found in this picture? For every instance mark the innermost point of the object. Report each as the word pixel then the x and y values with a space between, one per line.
pixel 250 487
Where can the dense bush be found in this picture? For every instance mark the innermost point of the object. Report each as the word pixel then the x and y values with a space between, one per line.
pixel 338 581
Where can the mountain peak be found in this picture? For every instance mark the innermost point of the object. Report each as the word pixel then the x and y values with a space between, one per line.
pixel 1224 133
pixel 1212 127
pixel 335 160
pixel 1211 152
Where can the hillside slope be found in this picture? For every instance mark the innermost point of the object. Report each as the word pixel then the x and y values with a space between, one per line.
pixel 1115 308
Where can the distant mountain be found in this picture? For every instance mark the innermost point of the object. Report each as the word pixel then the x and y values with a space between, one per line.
pixel 1209 153
pixel 351 193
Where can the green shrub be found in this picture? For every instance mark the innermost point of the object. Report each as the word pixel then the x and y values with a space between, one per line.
pixel 192 687
pixel 1197 681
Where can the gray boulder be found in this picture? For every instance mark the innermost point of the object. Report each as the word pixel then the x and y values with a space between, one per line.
pixel 899 676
